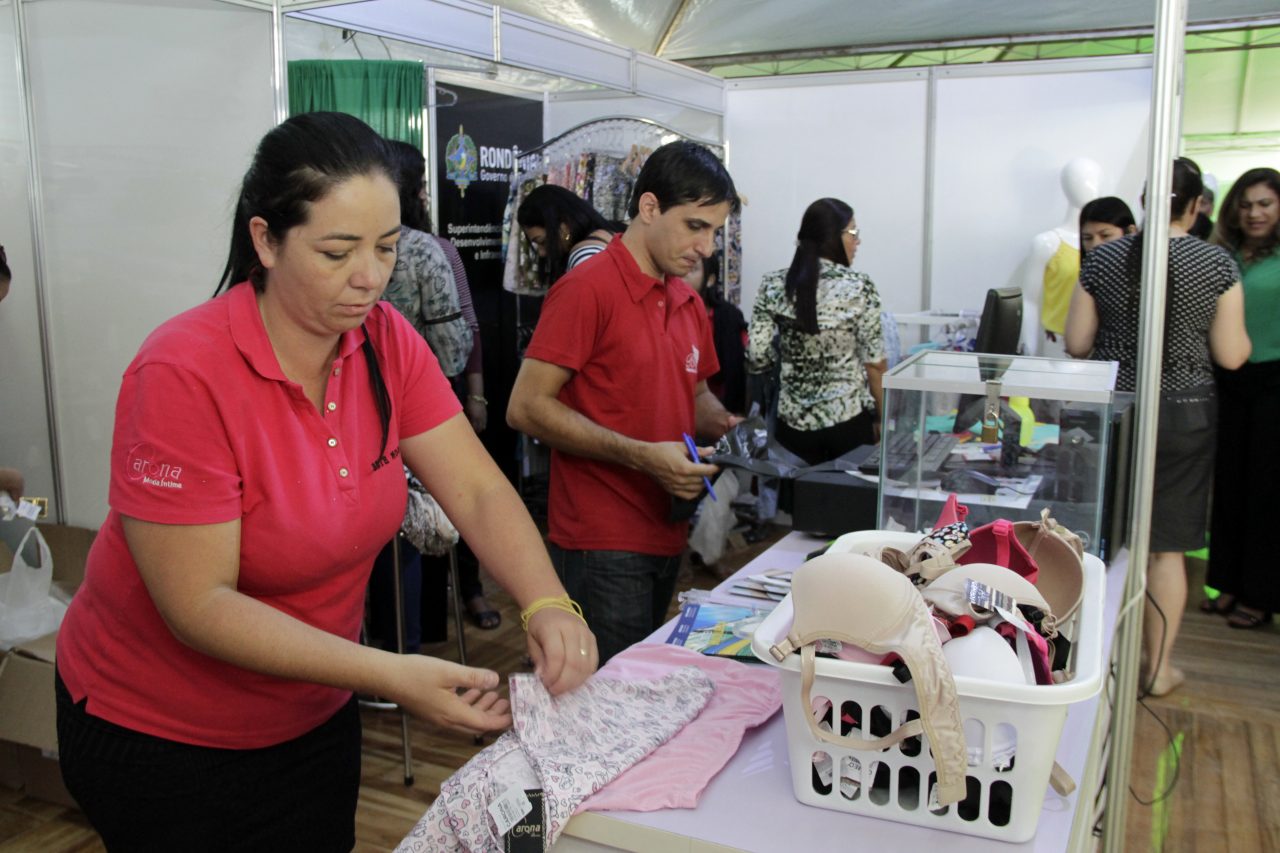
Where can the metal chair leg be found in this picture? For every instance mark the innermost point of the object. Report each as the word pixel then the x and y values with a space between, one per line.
pixel 459 615
pixel 397 586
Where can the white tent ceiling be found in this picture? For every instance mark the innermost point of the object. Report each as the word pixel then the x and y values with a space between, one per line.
pixel 704 28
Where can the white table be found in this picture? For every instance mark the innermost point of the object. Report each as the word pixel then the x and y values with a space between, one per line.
pixel 749 805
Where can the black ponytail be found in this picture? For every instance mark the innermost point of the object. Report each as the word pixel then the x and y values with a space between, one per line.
pixel 819 237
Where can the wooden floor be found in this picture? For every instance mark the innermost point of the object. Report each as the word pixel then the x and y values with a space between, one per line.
pixel 1226 718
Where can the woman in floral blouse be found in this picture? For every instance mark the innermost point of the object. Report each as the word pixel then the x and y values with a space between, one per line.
pixel 827 317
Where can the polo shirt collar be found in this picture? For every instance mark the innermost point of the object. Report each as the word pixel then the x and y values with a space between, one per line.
pixel 250 335
pixel 638 283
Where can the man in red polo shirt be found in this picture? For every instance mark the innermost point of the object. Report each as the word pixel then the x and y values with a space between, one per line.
pixel 615 373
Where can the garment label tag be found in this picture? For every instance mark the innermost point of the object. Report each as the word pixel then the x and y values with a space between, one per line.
pixel 984 597
pixel 527 836
pixel 508 809
pixel 827 647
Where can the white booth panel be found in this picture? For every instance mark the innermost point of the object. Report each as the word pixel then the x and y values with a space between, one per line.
pixel 674 82
pixel 457 25
pixel 860 140
pixel 1002 141
pixel 24 432
pixel 147 114
pixel 545 47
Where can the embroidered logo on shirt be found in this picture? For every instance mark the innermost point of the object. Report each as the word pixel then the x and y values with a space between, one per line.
pixel 143 467
pixel 691 360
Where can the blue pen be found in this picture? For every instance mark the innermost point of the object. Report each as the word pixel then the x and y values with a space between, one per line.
pixel 693 452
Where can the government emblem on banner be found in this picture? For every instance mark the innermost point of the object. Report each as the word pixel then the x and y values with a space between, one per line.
pixel 462 165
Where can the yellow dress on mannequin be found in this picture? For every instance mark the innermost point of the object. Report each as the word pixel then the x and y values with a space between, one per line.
pixel 1060 275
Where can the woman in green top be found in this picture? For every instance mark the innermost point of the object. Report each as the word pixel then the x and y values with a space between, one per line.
pixel 1248 461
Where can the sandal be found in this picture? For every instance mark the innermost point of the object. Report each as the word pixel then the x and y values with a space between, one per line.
pixel 1222 605
pixel 1244 618
pixel 482 614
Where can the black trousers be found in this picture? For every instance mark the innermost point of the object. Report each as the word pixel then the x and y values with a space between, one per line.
pixel 1247 471
pixel 144 793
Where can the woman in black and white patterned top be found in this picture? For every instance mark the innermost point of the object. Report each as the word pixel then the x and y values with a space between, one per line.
pixel 1204 324
pixel 827 316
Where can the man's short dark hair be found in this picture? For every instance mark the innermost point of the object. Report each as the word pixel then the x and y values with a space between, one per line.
pixel 684 173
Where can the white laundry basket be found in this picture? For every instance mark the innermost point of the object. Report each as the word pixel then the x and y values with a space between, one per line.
pixel 1000 719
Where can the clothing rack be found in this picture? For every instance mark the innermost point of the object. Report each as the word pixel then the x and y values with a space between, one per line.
pixel 664 134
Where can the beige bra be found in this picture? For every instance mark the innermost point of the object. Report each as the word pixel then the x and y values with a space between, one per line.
pixel 857 599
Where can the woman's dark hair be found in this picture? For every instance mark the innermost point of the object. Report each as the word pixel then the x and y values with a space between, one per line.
pixel 298 163
pixel 1188 186
pixel 1227 231
pixel 1109 209
pixel 712 294
pixel 684 172
pixel 549 207
pixel 5 273
pixel 411 177
pixel 819 237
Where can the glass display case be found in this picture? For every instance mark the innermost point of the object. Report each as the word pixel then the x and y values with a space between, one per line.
pixel 1010 435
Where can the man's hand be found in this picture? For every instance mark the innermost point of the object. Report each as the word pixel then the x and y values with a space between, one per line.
pixel 668 462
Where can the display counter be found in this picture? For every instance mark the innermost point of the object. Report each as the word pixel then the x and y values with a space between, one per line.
pixel 750 805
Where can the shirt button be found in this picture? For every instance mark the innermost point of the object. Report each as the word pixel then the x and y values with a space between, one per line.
pixel 661 303
pixel 332 406
pixel 342 472
pixel 333 442
pixel 337 371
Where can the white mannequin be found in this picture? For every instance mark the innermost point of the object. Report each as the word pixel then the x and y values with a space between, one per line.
pixel 1081 183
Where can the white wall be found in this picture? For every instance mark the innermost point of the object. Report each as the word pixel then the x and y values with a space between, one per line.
pixel 24 440
pixel 1001 144
pixel 146 116
pixel 859 138
pixel 1001 137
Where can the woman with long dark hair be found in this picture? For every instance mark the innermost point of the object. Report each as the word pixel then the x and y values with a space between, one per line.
pixel 1204 324
pixel 563 229
pixel 827 316
pixel 207 665
pixel 1248 462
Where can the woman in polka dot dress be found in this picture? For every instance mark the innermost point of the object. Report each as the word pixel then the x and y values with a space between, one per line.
pixel 1204 325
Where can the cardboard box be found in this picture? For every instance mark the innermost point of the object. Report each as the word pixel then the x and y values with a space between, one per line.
pixel 28 729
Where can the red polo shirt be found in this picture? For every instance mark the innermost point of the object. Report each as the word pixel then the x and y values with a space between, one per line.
pixel 638 347
pixel 208 430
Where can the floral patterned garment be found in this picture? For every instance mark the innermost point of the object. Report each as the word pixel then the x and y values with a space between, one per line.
pixel 570 746
pixel 424 290
pixel 824 382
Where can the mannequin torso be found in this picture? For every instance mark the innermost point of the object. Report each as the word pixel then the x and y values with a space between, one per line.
pixel 1053 264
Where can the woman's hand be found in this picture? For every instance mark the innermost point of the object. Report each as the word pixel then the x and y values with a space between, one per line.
pixel 563 649
pixel 429 688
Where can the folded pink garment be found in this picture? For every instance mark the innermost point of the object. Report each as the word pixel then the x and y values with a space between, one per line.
pixel 676 773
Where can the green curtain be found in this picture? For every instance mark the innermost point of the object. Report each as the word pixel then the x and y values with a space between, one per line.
pixel 386 94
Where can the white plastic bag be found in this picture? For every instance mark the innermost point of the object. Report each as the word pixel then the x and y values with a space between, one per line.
pixel 27 610
pixel 715 519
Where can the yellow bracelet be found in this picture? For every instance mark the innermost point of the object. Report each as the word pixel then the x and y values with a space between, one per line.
pixel 560 602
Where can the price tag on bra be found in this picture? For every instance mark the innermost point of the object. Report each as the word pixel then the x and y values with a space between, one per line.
pixel 983 597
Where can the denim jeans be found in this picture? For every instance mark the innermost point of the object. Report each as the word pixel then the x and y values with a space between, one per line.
pixel 624 595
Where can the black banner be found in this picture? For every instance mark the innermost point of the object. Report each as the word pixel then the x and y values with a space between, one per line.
pixel 476 142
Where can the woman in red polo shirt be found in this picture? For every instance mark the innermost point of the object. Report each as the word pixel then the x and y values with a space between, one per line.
pixel 206 668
